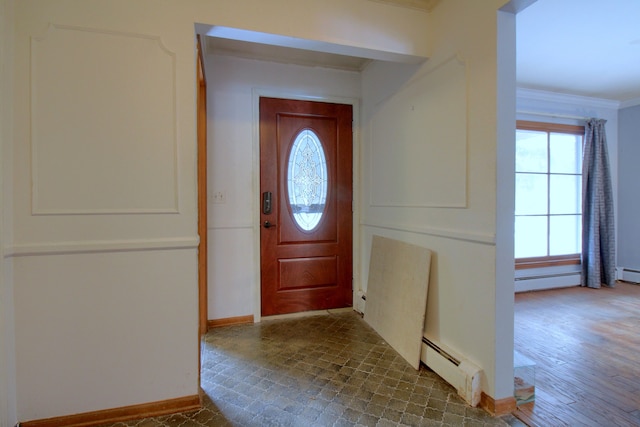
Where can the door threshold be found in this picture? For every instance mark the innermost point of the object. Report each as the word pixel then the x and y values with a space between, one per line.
pixel 307 313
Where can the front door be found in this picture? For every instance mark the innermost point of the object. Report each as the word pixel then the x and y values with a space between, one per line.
pixel 306 205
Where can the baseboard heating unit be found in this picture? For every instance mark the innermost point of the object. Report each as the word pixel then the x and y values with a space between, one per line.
pixel 628 275
pixel 463 375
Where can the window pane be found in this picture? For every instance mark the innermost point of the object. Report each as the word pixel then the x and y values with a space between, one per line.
pixel 566 194
pixel 531 194
pixel 531 151
pixel 307 180
pixel 566 153
pixel 566 235
pixel 530 236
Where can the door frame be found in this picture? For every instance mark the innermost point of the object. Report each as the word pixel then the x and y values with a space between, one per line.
pixel 355 105
pixel 201 124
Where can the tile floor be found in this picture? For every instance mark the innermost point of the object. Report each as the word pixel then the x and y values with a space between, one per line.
pixel 323 370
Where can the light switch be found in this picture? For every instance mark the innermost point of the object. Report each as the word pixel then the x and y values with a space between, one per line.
pixel 218 197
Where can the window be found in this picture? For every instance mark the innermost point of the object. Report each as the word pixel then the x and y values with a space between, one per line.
pixel 548 221
pixel 307 180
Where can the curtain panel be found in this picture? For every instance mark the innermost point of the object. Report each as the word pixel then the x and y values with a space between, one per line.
pixel 598 228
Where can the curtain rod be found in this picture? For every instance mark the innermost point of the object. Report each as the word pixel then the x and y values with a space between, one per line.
pixel 555 115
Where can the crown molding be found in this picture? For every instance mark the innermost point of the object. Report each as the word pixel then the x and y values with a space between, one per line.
pixel 630 103
pixel 427 5
pixel 555 97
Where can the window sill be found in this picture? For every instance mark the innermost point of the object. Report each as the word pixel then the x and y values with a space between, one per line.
pixel 552 261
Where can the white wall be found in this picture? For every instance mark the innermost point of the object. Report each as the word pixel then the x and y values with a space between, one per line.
pixel 100 276
pixel 411 125
pixel 104 225
pixel 505 198
pixel 106 289
pixel 456 218
pixel 628 193
pixel 233 87
pixel 550 107
pixel 103 191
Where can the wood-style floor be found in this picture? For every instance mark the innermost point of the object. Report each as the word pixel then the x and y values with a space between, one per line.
pixel 586 346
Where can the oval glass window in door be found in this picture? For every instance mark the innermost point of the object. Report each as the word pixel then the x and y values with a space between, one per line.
pixel 307 180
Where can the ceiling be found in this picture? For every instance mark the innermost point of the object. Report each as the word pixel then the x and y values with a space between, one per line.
pixel 579 47
pixel 287 55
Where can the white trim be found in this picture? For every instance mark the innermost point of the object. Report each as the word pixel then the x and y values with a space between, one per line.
pixel 467 236
pixel 256 93
pixel 227 226
pixel 95 246
pixel 552 115
pixel 561 98
pixel 36 211
pixel 629 103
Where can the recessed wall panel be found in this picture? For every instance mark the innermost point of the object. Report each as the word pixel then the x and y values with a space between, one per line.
pixel 305 273
pixel 418 142
pixel 103 123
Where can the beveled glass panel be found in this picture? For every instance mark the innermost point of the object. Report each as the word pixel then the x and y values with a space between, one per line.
pixel 565 154
pixel 530 236
pixel 531 194
pixel 566 194
pixel 531 151
pixel 566 234
pixel 307 180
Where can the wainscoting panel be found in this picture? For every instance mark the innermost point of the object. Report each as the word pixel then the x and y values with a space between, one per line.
pixel 415 159
pixel 96 330
pixel 96 152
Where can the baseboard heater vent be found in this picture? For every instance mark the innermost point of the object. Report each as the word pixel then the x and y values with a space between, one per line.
pixel 547 276
pixel 463 375
pixel 629 275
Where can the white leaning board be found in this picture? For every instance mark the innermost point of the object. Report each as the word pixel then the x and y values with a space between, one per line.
pixel 397 294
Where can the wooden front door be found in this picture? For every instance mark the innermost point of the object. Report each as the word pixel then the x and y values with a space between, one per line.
pixel 306 205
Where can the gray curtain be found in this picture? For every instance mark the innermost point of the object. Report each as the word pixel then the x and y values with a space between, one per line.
pixel 598 232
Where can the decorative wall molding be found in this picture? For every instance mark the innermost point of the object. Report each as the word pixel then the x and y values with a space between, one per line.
pixel 629 103
pixel 466 236
pixel 97 246
pixel 562 98
pixel 417 159
pixel 238 226
pixel 97 155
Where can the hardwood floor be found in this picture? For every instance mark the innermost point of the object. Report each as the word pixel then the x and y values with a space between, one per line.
pixel 586 346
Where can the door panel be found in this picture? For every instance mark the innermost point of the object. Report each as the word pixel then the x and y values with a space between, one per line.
pixel 295 273
pixel 306 165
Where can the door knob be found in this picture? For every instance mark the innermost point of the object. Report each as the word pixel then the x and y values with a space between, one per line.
pixel 268 224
